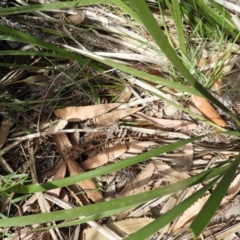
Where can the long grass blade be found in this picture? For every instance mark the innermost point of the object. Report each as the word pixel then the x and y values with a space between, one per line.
pixel 169 216
pixel 151 25
pixel 128 202
pixel 212 204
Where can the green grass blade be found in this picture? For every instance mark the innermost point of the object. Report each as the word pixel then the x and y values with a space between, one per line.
pixel 49 6
pixel 38 42
pixel 169 216
pixel 128 202
pixel 195 21
pixel 126 9
pixel 210 207
pixel 142 75
pixel 151 25
pixel 35 41
pixel 214 18
pixel 225 14
pixel 100 171
pixel 177 17
pixel 86 219
pixel 31 53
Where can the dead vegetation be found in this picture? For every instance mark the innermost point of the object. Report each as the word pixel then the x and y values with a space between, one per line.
pixel 61 117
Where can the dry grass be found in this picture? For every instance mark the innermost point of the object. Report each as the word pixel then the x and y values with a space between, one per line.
pixel 32 88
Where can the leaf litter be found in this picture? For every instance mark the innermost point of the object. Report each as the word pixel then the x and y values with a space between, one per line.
pixel 155 123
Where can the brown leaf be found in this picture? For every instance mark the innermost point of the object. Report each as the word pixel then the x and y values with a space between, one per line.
pixel 76 19
pixel 218 86
pixel 168 173
pixel 232 190
pixel 140 183
pixel 114 116
pixel 207 110
pixel 187 157
pixel 139 146
pixel 227 212
pixel 88 186
pixel 60 173
pixel 63 145
pixel 58 126
pixel 4 130
pixel 166 123
pixel 74 137
pixel 45 236
pixel 82 113
pixel 104 157
pixel 125 95
pixel 122 228
pixel 189 214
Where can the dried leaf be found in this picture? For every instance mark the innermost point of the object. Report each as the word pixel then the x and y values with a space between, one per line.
pixel 166 123
pixel 76 19
pixel 230 210
pixel 172 112
pixel 130 225
pixel 168 173
pixel 218 86
pixel 207 110
pixel 104 157
pixel 233 190
pixel 4 130
pixel 114 116
pixel 213 59
pixel 139 146
pixel 82 113
pixel 60 173
pixel 74 136
pixel 57 126
pixel 45 236
pixel 140 183
pixel 35 79
pixel 63 145
pixel 187 157
pixel 125 95
pixel 189 214
pixel 122 228
pixel 88 186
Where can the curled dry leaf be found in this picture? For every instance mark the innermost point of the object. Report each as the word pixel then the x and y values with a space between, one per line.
pixel 122 228
pixel 45 236
pixel 88 186
pixel 74 137
pixel 57 126
pixel 230 210
pixel 213 59
pixel 125 95
pixel 233 190
pixel 168 173
pixel 140 183
pixel 114 116
pixel 63 145
pixel 76 19
pixel 104 157
pixel 4 130
pixel 166 123
pixel 189 214
pixel 187 157
pixel 82 113
pixel 217 86
pixel 208 111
